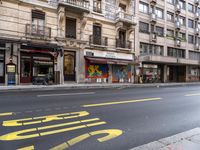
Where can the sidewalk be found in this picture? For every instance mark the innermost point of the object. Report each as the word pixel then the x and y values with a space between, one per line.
pixel 189 140
pixel 92 86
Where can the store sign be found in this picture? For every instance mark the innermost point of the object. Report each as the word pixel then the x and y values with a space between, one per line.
pixel 11 68
pixel 110 55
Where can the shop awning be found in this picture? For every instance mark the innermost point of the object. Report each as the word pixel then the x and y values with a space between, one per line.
pixel 108 60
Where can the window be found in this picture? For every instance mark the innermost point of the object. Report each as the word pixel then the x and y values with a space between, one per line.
pixel 97 6
pixel 190 39
pixel 97 34
pixel 182 35
pixel 143 7
pixel 71 28
pixel 38 22
pixel 182 20
pixel 194 55
pixel 159 13
pixel 170 33
pixel 151 49
pixel 160 31
pixel 170 16
pixel 182 4
pixel 190 8
pixel 190 23
pixel 174 52
pixel 171 1
pixel 144 27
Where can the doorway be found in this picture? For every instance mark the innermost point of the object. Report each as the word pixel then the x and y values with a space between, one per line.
pixel 2 67
pixel 69 66
pixel 176 73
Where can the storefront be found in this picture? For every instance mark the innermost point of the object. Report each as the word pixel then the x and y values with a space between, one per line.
pixel 36 63
pixel 193 73
pixel 2 66
pixel 2 63
pixel 152 73
pixel 176 73
pixel 121 73
pixel 107 67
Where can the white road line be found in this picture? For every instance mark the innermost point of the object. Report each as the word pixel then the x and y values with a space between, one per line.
pixel 65 94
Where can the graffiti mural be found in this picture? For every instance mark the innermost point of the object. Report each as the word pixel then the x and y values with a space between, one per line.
pixel 96 70
pixel 121 73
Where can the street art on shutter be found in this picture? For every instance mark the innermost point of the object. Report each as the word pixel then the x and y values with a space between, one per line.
pixel 121 73
pixel 96 70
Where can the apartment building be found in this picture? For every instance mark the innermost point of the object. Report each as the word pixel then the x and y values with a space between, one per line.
pixel 70 40
pixel 168 39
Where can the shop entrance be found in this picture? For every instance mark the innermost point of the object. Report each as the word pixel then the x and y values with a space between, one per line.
pixel 69 66
pixel 34 65
pixel 176 73
pixel 2 67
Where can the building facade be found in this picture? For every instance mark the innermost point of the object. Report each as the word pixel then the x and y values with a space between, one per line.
pixel 99 41
pixel 78 41
pixel 168 40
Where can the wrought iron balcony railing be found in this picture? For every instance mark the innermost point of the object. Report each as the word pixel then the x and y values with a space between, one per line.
pixel 123 44
pixel 103 41
pixel 38 31
pixel 125 17
pixel 77 3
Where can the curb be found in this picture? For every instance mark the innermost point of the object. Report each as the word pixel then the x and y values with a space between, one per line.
pixel 91 86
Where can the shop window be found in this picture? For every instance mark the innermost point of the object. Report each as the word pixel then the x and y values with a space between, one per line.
pixel 1 66
pixel 71 28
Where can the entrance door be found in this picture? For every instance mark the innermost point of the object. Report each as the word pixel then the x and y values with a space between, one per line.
pixel 26 71
pixel 2 64
pixel 69 66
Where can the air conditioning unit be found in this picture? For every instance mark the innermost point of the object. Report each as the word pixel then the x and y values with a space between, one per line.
pixel 153 2
pixel 197 2
pixel 196 16
pixel 178 8
pixel 197 30
pixel 153 37
pixel 197 47
pixel 153 18
pixel 178 42
pixel 178 25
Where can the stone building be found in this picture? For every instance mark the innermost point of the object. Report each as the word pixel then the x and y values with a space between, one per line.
pixel 71 40
pixel 168 40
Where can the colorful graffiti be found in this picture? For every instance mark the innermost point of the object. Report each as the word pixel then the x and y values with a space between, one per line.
pixel 121 73
pixel 96 70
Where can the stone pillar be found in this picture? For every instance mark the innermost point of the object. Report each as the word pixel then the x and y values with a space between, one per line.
pixel 186 73
pixel 109 73
pixel 165 74
pixel 80 65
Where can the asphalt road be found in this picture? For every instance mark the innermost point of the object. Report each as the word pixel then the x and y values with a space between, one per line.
pixel 104 119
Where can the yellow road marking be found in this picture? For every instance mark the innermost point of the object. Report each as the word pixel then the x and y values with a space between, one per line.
pixel 6 114
pixel 41 119
pixel 195 94
pixel 121 102
pixel 112 133
pixel 27 148
pixel 24 134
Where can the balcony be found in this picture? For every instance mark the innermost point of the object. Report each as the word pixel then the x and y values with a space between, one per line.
pixel 153 2
pixel 197 30
pixel 178 8
pixel 100 42
pixel 197 47
pixel 123 45
pixel 37 31
pixel 125 18
pixel 75 5
pixel 178 25
pixel 196 16
pixel 197 2
pixel 153 18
